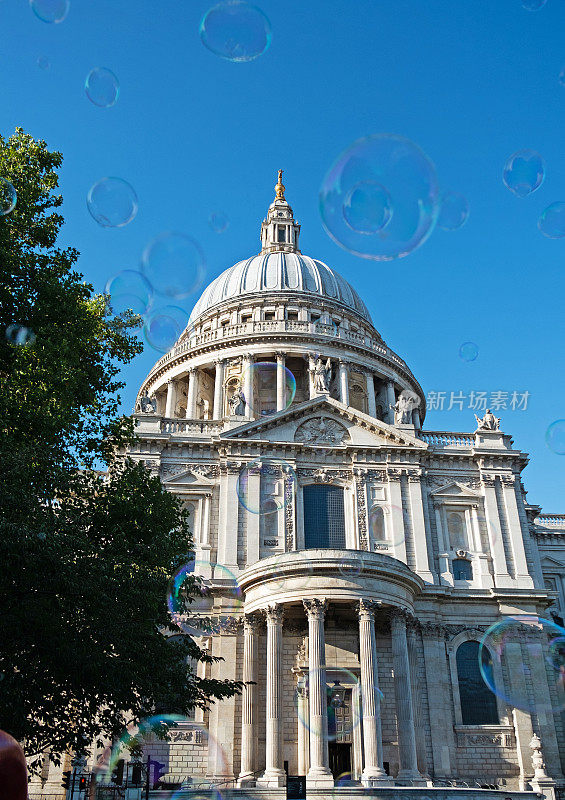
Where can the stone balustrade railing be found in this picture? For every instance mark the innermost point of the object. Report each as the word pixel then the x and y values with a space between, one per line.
pixel 191 426
pixel 227 332
pixel 551 519
pixel 445 439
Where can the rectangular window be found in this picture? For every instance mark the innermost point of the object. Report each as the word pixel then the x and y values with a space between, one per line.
pixel 281 233
pixel 246 317
pixel 324 517
pixel 293 315
pixel 269 315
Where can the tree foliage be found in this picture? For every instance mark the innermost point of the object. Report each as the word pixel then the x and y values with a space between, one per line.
pixel 86 555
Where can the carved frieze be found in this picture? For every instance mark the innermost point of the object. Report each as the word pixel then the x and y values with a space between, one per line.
pixel 361 495
pixel 289 513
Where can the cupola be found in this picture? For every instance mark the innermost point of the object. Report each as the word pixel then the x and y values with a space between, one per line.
pixel 279 232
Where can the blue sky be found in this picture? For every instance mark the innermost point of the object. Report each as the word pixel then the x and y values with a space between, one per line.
pixel 471 81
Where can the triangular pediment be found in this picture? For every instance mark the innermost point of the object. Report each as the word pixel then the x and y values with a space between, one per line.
pixel 552 563
pixel 454 489
pixel 188 474
pixel 326 422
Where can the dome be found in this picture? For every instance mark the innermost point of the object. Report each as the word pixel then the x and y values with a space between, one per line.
pixel 280 272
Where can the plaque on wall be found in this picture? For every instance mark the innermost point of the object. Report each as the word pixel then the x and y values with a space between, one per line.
pixel 296 787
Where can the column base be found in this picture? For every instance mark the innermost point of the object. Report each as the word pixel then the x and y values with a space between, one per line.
pixel 272 779
pixel 410 777
pixel 373 777
pixel 246 779
pixel 320 778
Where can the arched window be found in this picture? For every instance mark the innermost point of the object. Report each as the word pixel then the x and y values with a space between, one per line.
pixel 462 569
pixel 478 703
pixel 377 523
pixel 324 518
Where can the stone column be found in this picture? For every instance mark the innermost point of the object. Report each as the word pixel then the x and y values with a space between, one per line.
pixel 408 772
pixel 218 411
pixel 303 725
pixel 413 649
pixel 249 701
pixel 248 386
pixel 191 394
pixel 416 419
pixel 311 385
pixel 439 688
pixel 515 530
pixel 420 537
pixel 344 382
pixel 373 773
pixel 501 575
pixel 370 387
pixel 319 774
pixel 171 397
pixel 274 775
pixel 390 402
pixel 281 382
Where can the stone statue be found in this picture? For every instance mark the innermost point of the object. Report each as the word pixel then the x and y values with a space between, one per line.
pixel 322 375
pixel 488 423
pixel 237 402
pixel 148 405
pixel 403 408
pixel 204 404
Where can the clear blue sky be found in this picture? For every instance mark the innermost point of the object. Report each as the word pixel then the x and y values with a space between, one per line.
pixel 471 81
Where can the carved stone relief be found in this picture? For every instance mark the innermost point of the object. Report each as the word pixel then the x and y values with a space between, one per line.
pixel 321 430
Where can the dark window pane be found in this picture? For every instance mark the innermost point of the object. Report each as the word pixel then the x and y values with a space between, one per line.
pixel 324 519
pixel 462 569
pixel 478 703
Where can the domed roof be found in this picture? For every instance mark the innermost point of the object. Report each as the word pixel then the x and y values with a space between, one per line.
pixel 279 271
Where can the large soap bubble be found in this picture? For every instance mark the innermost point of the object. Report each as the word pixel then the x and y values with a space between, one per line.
pixel 555 437
pixel 50 10
pixel 552 221
pixel 174 264
pixel 520 650
pixel 163 327
pixel 524 172
pixel 112 202
pixel 379 200
pixel 102 87
pixel 236 31
pixel 8 197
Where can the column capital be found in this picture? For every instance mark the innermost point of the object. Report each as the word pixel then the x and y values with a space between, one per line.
pixel 274 613
pixel 191 370
pixel 219 362
pixel 280 356
pixel 316 608
pixel 399 618
pixel 343 362
pixel 251 623
pixel 367 608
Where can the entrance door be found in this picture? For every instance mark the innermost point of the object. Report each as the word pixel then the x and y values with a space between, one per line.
pixel 340 758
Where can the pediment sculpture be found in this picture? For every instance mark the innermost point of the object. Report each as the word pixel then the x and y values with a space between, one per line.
pixel 321 430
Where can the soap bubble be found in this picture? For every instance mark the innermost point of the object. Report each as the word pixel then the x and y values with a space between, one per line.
pixel 562 77
pixel 129 289
pixel 524 172
pixel 555 437
pixel 295 576
pixel 50 10
pixel 102 87
pixel 552 221
pixel 266 485
pixel 210 612
pixel 19 335
pixel 533 5
pixel 527 647
pixel 367 207
pixel 112 202
pixel 174 264
pixel 8 197
pixel 263 377
pixel 344 713
pixel 353 566
pixel 386 527
pixel 218 222
pixel 454 211
pixel 468 351
pixel 236 31
pixel 43 63
pixel 408 177
pixel 164 326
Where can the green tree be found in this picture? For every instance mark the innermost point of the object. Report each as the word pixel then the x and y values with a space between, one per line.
pixel 86 554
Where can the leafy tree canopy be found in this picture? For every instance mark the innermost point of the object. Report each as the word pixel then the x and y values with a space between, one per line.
pixel 86 555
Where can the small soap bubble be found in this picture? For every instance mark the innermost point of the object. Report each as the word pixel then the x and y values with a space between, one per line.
pixel 218 222
pixel 50 10
pixel 468 351
pixel 353 566
pixel 43 63
pixel 164 326
pixel 174 264
pixel 404 174
pixel 555 437
pixel 562 77
pixel 265 486
pixel 454 211
pixel 524 172
pixel 540 644
pixel 129 290
pixel 262 376
pixel 367 207
pixel 552 221
pixel 236 31
pixel 112 202
pixel 200 616
pixel 19 335
pixel 294 576
pixel 533 5
pixel 102 87
pixel 8 197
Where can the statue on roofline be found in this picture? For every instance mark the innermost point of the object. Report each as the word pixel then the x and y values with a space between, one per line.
pixel 489 422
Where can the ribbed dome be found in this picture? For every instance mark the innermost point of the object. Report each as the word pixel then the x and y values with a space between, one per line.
pixel 272 272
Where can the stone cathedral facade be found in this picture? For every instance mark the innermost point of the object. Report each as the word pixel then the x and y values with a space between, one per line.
pixel 368 552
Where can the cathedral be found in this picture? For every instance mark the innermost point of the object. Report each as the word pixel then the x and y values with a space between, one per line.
pixel 353 561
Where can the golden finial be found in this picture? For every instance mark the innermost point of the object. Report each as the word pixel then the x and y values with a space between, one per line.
pixel 279 188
